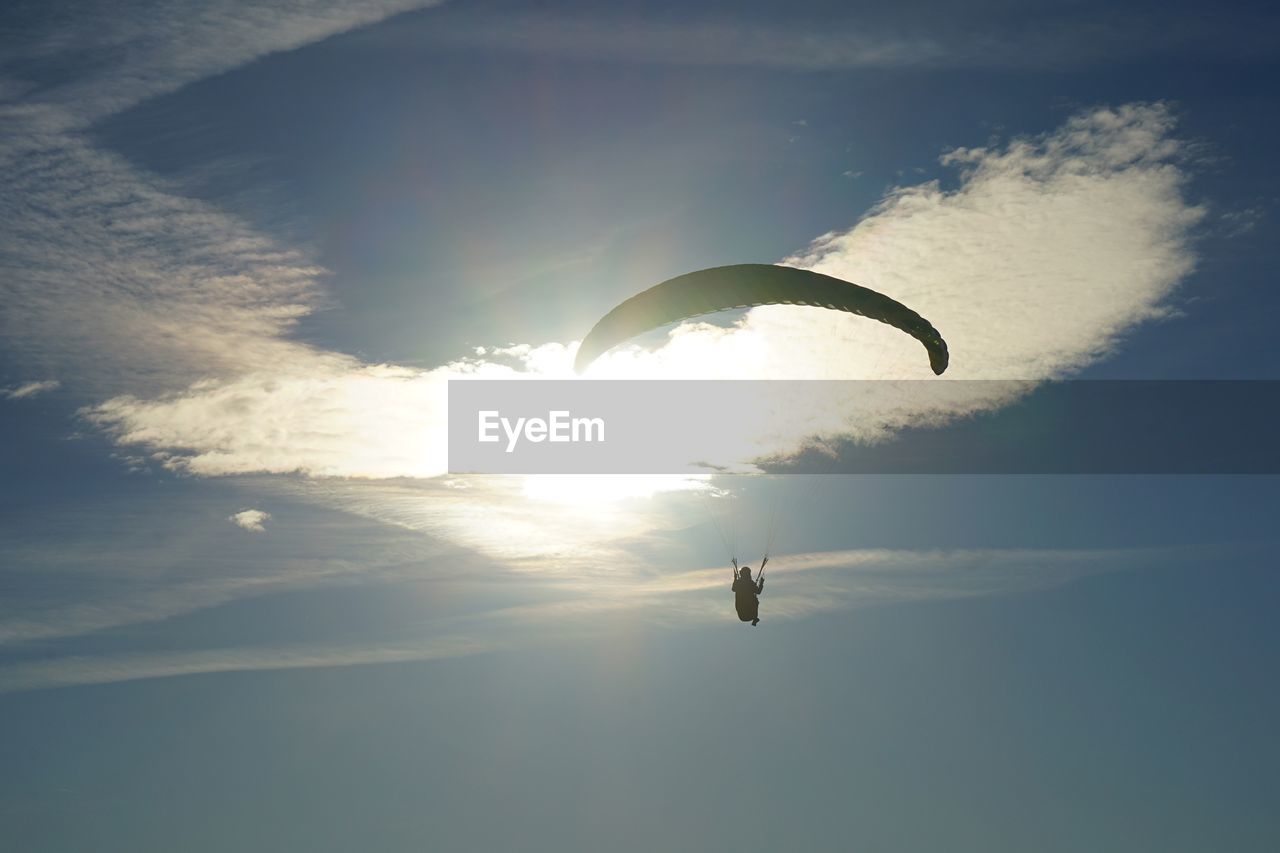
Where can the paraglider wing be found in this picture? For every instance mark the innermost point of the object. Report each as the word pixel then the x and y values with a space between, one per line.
pixel 745 286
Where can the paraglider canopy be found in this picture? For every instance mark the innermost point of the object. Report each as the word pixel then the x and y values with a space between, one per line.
pixel 745 286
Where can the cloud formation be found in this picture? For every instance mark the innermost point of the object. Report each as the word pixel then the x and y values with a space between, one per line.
pixel 153 555
pixel 131 50
pixel 251 520
pixel 1035 265
pixel 820 582
pixel 177 316
pixel 30 389
pixel 1044 255
pixel 110 279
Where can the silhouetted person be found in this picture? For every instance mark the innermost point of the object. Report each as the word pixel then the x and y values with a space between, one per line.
pixel 746 592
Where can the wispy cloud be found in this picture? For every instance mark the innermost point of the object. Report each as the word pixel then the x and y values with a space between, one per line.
pixel 133 603
pixel 124 52
pixel 252 520
pixel 690 43
pixel 132 562
pixel 30 389
pixel 104 669
pixel 932 38
pixel 175 318
pixel 518 522
pixel 819 582
pixel 114 284
pixel 110 279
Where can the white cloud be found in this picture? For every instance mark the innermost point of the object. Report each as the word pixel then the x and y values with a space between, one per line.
pixel 29 389
pixel 251 520
pixel 114 284
pixel 1048 251
pixel 109 279
pixel 820 582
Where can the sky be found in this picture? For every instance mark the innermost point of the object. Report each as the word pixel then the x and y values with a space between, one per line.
pixel 245 246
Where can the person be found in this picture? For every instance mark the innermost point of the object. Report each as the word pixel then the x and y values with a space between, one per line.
pixel 746 592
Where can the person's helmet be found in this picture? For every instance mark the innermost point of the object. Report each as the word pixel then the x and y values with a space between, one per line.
pixel 744 572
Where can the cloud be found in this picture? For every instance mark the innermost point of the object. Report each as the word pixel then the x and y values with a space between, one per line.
pixel 1082 233
pixel 113 283
pixel 132 50
pixel 932 38
pixel 1044 255
pixel 136 559
pixel 109 278
pixel 688 43
pixel 133 603
pixel 251 520
pixel 105 669
pixel 522 523
pixel 817 582
pixel 178 314
pixel 30 389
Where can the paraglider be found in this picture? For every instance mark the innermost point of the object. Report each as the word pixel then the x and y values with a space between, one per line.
pixel 745 286
pixel 746 592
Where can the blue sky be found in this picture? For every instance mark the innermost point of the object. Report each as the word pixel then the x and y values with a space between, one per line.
pixel 244 247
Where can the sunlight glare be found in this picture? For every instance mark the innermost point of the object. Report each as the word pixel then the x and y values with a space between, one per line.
pixel 588 490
